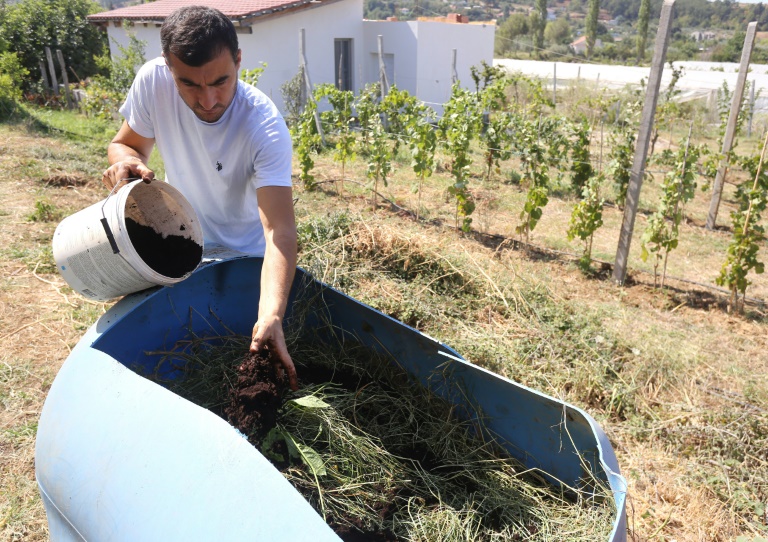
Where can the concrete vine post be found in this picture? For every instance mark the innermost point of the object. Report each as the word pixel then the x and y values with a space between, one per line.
pixel 307 82
pixel 643 141
pixel 730 129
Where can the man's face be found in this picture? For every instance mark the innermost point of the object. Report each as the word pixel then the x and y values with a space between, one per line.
pixel 209 89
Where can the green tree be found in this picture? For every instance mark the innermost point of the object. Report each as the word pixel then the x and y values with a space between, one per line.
pixel 539 20
pixel 642 28
pixel 31 25
pixel 558 32
pixel 106 93
pixel 12 73
pixel 509 33
pixel 591 25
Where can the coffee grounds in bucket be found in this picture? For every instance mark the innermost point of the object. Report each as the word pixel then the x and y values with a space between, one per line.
pixel 172 256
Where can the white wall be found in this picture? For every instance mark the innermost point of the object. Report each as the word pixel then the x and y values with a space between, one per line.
pixel 422 52
pixel 399 45
pixel 418 53
pixel 473 44
pixel 276 42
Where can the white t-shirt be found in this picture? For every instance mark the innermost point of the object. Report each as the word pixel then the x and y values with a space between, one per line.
pixel 216 166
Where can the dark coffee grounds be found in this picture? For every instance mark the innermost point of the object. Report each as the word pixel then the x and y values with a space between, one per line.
pixel 171 256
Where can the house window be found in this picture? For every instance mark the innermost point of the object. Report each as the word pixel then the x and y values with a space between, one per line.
pixel 343 63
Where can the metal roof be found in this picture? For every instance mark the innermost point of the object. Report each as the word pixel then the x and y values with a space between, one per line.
pixel 234 9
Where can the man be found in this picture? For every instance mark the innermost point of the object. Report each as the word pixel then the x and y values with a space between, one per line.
pixel 225 147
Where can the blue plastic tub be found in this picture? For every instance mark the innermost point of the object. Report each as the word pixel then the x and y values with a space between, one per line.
pixel 121 458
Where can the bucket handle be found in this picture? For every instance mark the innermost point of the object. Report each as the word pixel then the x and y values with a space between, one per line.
pixel 105 222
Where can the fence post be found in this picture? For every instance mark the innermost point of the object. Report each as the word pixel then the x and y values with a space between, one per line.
pixel 64 76
pixel 751 106
pixel 52 71
pixel 643 140
pixel 730 129
pixel 554 85
pixel 308 82
pixel 383 81
pixel 44 73
pixel 454 73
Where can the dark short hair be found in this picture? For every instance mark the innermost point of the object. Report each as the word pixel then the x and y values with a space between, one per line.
pixel 197 34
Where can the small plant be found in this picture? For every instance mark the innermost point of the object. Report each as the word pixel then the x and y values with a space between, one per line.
pixel 294 94
pixel 535 171
pixel 401 110
pixel 623 151
pixel 458 125
pixel 495 136
pixel 748 234
pixel 45 211
pixel 379 158
pixel 497 142
pixel 586 218
pixel 581 165
pixel 339 118
pixel 367 107
pixel 423 142
pixel 678 188
pixel 306 142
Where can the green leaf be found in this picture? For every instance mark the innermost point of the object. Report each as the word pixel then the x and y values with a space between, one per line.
pixel 309 401
pixel 309 456
pixel 275 435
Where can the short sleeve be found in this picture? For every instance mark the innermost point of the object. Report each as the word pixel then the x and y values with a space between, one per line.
pixel 273 158
pixel 137 107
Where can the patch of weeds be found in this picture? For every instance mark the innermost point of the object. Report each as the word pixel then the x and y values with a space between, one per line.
pixel 85 315
pixel 25 431
pixel 45 211
pixel 513 178
pixel 573 353
pixel 731 444
pixel 37 258
pixel 317 231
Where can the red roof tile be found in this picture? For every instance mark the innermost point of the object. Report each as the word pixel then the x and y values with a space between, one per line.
pixel 234 9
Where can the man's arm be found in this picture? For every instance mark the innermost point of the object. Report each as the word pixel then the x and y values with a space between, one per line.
pixel 276 211
pixel 128 154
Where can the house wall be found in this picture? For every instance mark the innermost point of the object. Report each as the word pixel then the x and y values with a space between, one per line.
pixel 276 42
pixel 428 72
pixel 417 53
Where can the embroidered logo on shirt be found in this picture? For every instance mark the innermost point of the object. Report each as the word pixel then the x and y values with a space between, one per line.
pixel 218 166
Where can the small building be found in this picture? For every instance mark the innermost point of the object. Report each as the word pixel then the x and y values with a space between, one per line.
pixel 579 45
pixel 340 46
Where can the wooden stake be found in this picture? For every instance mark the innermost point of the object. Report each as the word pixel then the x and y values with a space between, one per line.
pixel 643 140
pixel 730 129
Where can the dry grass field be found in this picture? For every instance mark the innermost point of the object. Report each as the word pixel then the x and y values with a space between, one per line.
pixel 679 384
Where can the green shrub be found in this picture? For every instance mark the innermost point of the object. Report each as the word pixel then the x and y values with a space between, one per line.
pixel 12 73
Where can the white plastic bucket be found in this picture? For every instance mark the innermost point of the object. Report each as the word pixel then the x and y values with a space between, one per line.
pixel 146 234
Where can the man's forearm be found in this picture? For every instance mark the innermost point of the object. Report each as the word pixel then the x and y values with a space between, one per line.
pixel 119 152
pixel 277 275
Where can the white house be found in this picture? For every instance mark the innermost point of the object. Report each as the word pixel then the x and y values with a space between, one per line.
pixel 340 47
pixel 579 45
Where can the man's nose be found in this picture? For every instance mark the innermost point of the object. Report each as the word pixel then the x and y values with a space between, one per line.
pixel 207 98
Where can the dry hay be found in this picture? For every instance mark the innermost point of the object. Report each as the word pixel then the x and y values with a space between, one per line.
pixel 375 454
